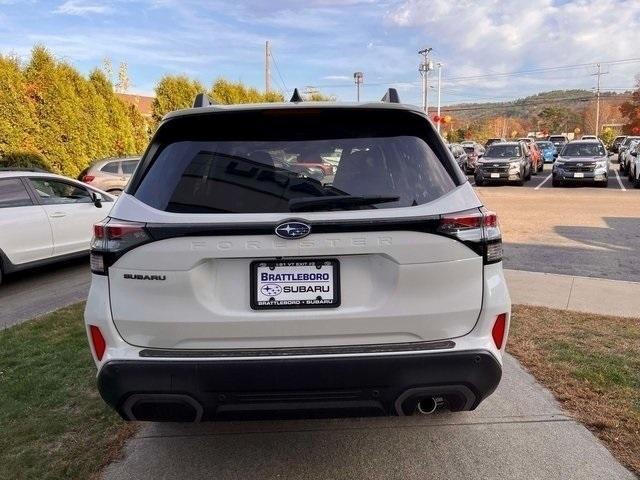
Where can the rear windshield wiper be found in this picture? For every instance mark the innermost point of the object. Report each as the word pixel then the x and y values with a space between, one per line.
pixel 335 201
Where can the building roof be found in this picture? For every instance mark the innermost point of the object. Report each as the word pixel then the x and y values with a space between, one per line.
pixel 143 103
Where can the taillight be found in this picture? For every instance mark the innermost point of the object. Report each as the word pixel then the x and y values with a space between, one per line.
pixel 97 340
pixel 499 327
pixel 112 239
pixel 88 178
pixel 479 229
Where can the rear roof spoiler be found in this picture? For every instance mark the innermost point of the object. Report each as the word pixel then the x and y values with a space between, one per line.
pixel 391 96
pixel 202 100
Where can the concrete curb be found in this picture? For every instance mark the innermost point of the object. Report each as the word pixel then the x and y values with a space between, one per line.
pixel 567 292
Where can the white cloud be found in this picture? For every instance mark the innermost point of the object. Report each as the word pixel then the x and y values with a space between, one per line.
pixel 489 36
pixel 82 7
pixel 341 78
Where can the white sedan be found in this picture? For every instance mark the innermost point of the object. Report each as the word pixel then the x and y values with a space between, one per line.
pixel 46 218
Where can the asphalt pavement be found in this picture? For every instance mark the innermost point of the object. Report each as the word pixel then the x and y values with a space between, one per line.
pixel 30 293
pixel 520 432
pixel 576 230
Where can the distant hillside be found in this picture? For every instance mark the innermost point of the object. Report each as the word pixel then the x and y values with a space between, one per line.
pixel 528 107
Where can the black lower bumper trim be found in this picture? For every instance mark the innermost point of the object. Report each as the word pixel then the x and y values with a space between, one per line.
pixel 189 390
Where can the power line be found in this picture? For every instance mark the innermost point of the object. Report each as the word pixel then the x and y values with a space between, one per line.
pixel 503 74
pixel 275 64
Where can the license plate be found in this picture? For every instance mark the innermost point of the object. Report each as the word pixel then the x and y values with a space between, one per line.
pixel 578 175
pixel 495 175
pixel 295 284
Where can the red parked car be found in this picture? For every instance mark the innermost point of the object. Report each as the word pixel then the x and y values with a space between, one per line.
pixel 537 159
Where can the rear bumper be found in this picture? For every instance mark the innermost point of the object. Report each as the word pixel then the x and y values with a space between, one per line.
pixel 502 176
pixel 190 390
pixel 587 176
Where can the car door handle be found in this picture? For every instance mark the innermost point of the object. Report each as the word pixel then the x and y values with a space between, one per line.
pixel 58 215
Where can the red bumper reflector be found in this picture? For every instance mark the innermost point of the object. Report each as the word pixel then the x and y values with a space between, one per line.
pixel 498 330
pixel 99 345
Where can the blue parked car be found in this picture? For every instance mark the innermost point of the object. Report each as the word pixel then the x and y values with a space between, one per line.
pixel 548 150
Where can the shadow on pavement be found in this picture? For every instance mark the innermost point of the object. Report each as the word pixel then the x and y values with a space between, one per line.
pixel 608 252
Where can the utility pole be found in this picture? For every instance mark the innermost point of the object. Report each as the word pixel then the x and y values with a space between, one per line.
pixel 267 66
pixel 359 78
pixel 599 73
pixel 424 68
pixel 598 102
pixel 439 94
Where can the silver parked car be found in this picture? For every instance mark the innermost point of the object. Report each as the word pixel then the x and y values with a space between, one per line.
pixel 110 175
pixel 582 161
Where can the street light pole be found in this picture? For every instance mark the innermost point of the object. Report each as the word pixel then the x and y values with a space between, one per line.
pixel 359 78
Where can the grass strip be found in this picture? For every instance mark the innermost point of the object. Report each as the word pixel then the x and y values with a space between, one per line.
pixel 53 423
pixel 592 365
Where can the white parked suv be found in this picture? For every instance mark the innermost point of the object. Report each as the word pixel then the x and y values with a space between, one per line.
pixel 228 285
pixel 45 218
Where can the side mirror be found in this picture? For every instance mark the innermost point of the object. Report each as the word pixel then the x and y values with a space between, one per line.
pixel 555 155
pixel 480 155
pixel 97 199
pixel 634 153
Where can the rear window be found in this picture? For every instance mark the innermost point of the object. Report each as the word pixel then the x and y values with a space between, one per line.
pixel 291 175
pixel 557 139
pixel 129 166
pixel 583 150
pixel 13 193
pixel 503 151
pixel 111 167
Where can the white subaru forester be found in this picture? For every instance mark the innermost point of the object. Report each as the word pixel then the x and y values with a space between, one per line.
pixel 297 260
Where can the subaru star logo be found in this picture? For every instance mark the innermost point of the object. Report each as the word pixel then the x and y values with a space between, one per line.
pixel 271 290
pixel 293 230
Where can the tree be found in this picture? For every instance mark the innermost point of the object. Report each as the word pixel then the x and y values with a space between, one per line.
pixel 609 113
pixel 319 97
pixel 123 83
pixel 559 119
pixel 174 92
pixel 229 93
pixel 54 117
pixel 607 136
pixel 631 111
pixel 18 121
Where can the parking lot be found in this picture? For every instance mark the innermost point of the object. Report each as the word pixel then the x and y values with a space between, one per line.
pixel 573 230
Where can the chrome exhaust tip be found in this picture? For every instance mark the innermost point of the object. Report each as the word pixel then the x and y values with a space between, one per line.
pixel 428 405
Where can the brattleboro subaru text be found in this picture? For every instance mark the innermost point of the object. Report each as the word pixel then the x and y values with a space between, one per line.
pixel 296 260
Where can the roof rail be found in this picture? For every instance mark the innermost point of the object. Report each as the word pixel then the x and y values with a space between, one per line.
pixel 391 96
pixel 23 169
pixel 295 98
pixel 202 100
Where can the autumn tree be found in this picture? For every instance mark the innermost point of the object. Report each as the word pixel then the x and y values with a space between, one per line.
pixel 630 110
pixel 54 117
pixel 174 92
pixel 18 123
pixel 229 93
pixel 559 119
pixel 609 113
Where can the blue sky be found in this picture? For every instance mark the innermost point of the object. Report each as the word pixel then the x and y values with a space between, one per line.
pixel 322 42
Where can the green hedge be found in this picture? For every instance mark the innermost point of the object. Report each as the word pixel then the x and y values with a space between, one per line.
pixel 56 118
